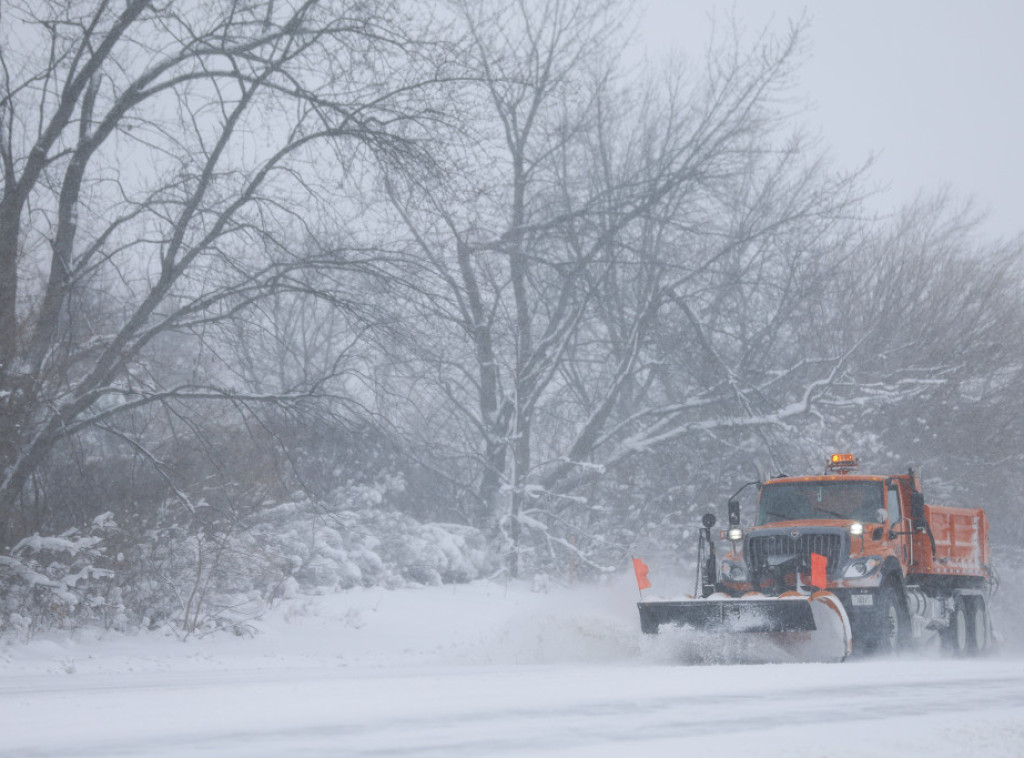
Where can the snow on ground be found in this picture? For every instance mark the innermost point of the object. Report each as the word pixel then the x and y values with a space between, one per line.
pixel 479 670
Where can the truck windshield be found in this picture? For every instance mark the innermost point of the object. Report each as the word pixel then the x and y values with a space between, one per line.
pixel 792 501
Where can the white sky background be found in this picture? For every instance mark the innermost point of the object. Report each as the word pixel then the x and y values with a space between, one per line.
pixel 934 89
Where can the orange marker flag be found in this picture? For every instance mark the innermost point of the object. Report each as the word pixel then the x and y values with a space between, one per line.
pixel 641 570
pixel 818 565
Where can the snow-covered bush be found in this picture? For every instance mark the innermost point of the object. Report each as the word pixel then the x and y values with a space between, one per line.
pixel 353 540
pixel 197 570
pixel 307 546
pixel 61 581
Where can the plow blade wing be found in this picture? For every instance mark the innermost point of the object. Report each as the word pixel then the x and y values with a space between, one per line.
pixel 755 629
pixel 764 615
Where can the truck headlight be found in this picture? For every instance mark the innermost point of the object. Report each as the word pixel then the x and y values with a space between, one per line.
pixel 856 529
pixel 861 567
pixel 735 534
pixel 733 571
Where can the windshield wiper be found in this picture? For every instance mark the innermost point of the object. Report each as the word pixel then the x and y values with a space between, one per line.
pixel 832 513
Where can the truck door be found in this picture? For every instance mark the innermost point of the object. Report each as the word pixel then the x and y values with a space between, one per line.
pixel 899 527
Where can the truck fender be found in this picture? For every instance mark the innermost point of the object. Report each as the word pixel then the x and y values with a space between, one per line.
pixel 892 573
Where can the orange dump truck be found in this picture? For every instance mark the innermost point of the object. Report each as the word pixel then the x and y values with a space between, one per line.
pixel 861 559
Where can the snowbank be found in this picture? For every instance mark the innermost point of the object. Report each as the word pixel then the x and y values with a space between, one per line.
pixel 482 622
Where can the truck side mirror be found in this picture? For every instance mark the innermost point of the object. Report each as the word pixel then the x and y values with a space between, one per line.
pixel 734 512
pixel 917 507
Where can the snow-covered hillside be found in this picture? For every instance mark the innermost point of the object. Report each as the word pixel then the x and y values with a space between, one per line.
pixel 478 670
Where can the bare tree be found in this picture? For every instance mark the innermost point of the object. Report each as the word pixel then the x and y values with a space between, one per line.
pixel 159 163
pixel 934 311
pixel 620 275
pixel 588 211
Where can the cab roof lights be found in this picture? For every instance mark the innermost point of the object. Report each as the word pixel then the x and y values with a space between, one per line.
pixel 842 463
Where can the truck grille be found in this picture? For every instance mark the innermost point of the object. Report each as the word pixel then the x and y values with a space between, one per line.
pixel 833 545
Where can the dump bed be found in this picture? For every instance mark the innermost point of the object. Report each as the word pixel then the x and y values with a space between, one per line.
pixel 960 543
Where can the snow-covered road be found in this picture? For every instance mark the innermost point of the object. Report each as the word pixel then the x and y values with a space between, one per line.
pixel 532 676
pixel 906 708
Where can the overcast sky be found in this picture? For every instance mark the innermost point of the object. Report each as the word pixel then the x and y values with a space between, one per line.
pixel 933 88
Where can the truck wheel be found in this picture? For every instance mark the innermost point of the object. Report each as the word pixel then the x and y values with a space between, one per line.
pixel 955 636
pixel 889 634
pixel 977 625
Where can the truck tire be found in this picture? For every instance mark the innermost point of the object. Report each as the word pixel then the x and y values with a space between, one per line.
pixel 890 620
pixel 955 636
pixel 977 625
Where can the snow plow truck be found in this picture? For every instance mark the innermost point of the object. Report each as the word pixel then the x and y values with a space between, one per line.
pixel 841 563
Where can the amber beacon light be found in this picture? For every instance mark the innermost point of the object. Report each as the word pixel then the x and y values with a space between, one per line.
pixel 843 463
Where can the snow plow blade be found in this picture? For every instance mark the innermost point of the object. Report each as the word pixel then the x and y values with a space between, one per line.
pixel 732 615
pixel 755 629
